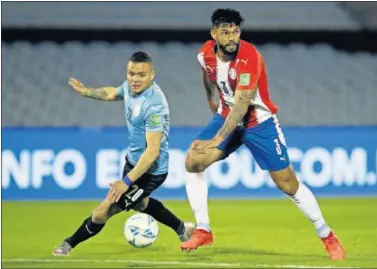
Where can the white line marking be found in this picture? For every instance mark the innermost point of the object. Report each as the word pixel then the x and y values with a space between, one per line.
pixel 144 262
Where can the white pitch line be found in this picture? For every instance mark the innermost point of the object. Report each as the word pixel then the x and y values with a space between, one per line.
pixel 145 262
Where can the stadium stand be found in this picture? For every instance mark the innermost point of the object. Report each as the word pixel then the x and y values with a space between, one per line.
pixel 314 85
pixel 175 15
pixel 364 12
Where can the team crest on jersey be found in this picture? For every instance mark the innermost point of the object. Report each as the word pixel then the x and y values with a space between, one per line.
pixel 232 73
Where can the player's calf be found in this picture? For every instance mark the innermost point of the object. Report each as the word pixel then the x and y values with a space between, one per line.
pixel 196 185
pixel 304 199
pixel 158 211
pixel 285 180
pixel 89 228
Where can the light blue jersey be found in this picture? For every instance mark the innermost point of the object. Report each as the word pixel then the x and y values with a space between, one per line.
pixel 146 112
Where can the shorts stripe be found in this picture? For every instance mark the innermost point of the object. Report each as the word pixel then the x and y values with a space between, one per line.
pixel 279 131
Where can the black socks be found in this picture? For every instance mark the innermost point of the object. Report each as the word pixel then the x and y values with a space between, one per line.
pixel 87 230
pixel 157 210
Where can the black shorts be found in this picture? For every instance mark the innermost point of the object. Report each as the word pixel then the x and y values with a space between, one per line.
pixel 142 188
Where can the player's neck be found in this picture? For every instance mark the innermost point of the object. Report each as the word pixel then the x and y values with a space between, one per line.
pixel 224 57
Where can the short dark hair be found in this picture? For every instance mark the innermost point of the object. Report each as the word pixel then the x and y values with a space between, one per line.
pixel 140 57
pixel 227 15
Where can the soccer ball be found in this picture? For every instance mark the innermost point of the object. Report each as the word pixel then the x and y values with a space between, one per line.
pixel 141 230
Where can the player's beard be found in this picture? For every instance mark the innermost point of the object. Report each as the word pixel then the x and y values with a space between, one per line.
pixel 228 53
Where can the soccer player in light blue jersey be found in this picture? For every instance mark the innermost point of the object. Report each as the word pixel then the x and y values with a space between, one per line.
pixel 147 157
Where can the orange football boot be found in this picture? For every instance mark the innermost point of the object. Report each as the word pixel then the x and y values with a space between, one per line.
pixel 199 238
pixel 334 248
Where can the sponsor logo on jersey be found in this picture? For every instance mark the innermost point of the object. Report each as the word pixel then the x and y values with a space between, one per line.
pixel 244 79
pixel 155 120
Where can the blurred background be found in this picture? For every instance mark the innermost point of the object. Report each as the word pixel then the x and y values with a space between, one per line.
pixel 321 59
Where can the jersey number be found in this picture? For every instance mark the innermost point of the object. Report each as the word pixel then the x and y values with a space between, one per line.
pixel 225 89
pixel 135 193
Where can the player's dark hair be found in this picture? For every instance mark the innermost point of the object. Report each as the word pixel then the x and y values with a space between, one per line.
pixel 227 15
pixel 140 57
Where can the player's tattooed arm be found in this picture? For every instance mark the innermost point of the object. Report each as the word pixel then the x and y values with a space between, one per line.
pixel 209 86
pixel 242 100
pixel 104 93
pixel 210 89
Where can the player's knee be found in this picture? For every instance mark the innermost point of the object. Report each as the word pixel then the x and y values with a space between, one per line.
pixel 195 167
pixel 100 214
pixel 113 210
pixel 191 163
pixel 196 163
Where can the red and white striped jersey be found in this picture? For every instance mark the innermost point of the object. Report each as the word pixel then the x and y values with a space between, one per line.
pixel 246 72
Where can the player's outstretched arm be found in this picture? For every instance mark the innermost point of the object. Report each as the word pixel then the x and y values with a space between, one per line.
pixel 148 157
pixel 210 89
pixel 103 93
pixel 242 100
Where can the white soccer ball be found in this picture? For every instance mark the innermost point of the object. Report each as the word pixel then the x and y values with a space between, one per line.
pixel 141 230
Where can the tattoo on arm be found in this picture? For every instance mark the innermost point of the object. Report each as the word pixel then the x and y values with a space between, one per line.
pixel 241 104
pixel 105 93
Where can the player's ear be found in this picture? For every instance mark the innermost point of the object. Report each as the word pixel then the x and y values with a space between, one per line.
pixel 153 74
pixel 213 33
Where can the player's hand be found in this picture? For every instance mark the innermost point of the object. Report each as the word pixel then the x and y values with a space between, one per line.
pixel 77 86
pixel 118 188
pixel 205 145
pixel 214 106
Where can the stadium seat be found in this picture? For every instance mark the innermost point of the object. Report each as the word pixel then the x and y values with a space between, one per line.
pixel 175 15
pixel 313 85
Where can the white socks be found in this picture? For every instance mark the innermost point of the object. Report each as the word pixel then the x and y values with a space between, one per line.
pixel 197 192
pixel 306 202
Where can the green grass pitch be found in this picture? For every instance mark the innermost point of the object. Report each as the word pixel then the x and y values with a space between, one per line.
pixel 248 233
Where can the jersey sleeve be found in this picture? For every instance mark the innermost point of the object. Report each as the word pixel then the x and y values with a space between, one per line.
pixel 206 56
pixel 122 88
pixel 248 73
pixel 155 116
pixel 200 58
